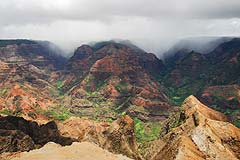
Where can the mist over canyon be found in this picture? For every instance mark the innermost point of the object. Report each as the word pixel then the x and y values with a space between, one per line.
pixel 120 80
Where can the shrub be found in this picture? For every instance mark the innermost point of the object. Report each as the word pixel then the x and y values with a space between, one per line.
pixel 4 92
pixel 60 84
pixel 6 112
pixel 110 120
pixel 237 123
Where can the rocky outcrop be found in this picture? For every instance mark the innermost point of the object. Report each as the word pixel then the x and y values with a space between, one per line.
pixel 15 140
pixel 76 151
pixel 117 137
pixel 120 138
pixel 203 134
pixel 18 134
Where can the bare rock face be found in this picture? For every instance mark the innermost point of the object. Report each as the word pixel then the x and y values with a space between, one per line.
pixel 15 140
pixel 83 129
pixel 120 137
pixel 80 59
pixel 117 137
pixel 76 151
pixel 18 134
pixel 24 90
pixel 203 134
pixel 39 53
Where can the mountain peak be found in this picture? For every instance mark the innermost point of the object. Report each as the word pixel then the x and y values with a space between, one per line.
pixel 117 44
pixel 202 133
pixel 192 105
pixel 83 52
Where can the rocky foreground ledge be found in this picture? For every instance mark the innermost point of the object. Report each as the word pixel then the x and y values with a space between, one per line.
pixel 53 151
pixel 18 134
pixel 200 133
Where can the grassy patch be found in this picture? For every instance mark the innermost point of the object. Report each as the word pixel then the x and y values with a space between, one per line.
pixel 110 120
pixel 4 92
pixel 146 132
pixel 60 84
pixel 17 112
pixel 6 112
pixel 237 123
pixel 58 113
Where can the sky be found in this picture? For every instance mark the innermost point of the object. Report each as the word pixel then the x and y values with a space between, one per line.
pixel 154 25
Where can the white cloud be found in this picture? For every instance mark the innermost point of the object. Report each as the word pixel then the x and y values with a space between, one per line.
pixel 153 24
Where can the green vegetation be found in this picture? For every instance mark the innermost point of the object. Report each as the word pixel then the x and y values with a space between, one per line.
pixel 17 112
pixel 177 100
pixel 47 71
pixel 228 111
pixel 237 123
pixel 175 97
pixel 122 88
pixel 60 84
pixel 100 85
pixel 174 120
pixel 95 99
pixel 4 92
pixel 73 83
pixel 179 94
pixel 146 131
pixel 110 120
pixel 234 101
pixel 6 112
pixel 123 113
pixel 123 104
pixel 58 113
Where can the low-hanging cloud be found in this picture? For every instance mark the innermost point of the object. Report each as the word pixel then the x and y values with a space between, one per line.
pixel 152 24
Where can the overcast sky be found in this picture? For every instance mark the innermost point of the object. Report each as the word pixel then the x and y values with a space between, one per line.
pixel 151 24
